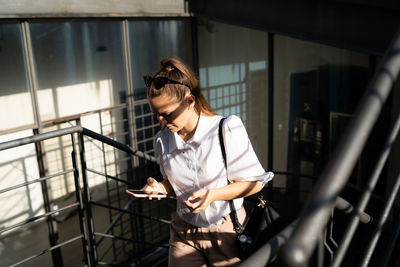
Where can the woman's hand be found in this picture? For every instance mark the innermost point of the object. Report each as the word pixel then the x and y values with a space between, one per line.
pixel 200 200
pixel 153 187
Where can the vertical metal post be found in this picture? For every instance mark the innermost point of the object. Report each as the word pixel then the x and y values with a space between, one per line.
pixel 129 83
pixel 321 248
pixel 78 194
pixel 270 102
pixel 195 45
pixel 31 72
pixel 87 204
pixel 107 183
pixel 51 223
pixel 131 113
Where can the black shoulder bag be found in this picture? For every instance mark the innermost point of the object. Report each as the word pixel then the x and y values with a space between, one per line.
pixel 252 234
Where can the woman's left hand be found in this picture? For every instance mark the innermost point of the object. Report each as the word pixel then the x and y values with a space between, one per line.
pixel 199 200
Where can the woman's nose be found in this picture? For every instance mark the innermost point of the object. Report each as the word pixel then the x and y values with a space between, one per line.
pixel 160 118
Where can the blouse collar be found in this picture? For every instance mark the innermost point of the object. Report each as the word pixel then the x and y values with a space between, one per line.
pixel 201 134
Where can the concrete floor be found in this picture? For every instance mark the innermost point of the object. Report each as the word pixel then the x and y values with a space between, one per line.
pixel 32 240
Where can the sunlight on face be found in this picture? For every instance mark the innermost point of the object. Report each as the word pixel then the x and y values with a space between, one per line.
pixel 170 112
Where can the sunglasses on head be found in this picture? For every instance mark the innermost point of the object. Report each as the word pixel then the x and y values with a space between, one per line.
pixel 159 82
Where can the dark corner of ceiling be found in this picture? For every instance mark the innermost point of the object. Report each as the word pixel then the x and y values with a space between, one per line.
pixel 361 25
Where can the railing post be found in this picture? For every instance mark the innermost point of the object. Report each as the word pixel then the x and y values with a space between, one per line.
pixel 78 194
pixel 51 224
pixel 86 202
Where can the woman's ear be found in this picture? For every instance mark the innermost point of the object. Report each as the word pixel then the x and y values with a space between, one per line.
pixel 191 100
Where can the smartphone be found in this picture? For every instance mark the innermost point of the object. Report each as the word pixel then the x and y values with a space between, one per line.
pixel 141 193
pixel 193 200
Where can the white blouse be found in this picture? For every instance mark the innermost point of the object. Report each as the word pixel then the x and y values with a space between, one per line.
pixel 198 163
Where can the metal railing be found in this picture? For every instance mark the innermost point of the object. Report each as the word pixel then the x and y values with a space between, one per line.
pixel 89 237
pixel 297 243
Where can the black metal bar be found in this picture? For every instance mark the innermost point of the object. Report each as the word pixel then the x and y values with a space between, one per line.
pixel 39 137
pixel 130 240
pixel 111 226
pixel 47 203
pixel 321 249
pixel 118 145
pixel 335 175
pixel 271 102
pixel 111 177
pixel 362 204
pixel 130 212
pixel 378 229
pixel 86 202
pixel 56 247
pixel 344 205
pixel 79 200
pixel 34 181
pixel 107 183
pixel 36 218
pixel 116 156
pixel 329 235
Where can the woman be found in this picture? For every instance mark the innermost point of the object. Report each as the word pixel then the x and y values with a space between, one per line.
pixel 188 152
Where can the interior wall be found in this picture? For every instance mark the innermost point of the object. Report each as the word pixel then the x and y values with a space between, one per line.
pixel 293 55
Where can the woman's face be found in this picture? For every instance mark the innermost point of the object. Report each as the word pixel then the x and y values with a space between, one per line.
pixel 172 113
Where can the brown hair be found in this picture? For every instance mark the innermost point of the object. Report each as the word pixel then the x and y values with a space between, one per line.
pixel 176 70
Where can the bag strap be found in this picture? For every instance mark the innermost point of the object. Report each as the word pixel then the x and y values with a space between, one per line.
pixel 233 214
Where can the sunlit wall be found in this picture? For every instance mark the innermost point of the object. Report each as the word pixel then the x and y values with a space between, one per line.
pixel 233 73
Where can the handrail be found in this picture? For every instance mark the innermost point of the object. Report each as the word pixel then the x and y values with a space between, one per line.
pixel 298 249
pixel 71 130
pixel 269 251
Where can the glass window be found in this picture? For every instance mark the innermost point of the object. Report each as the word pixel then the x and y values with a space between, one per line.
pixel 234 78
pixel 15 99
pixel 79 66
pixel 150 41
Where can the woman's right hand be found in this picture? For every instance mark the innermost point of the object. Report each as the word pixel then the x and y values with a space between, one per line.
pixel 153 187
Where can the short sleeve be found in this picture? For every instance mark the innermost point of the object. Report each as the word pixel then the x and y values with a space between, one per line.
pixel 242 162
